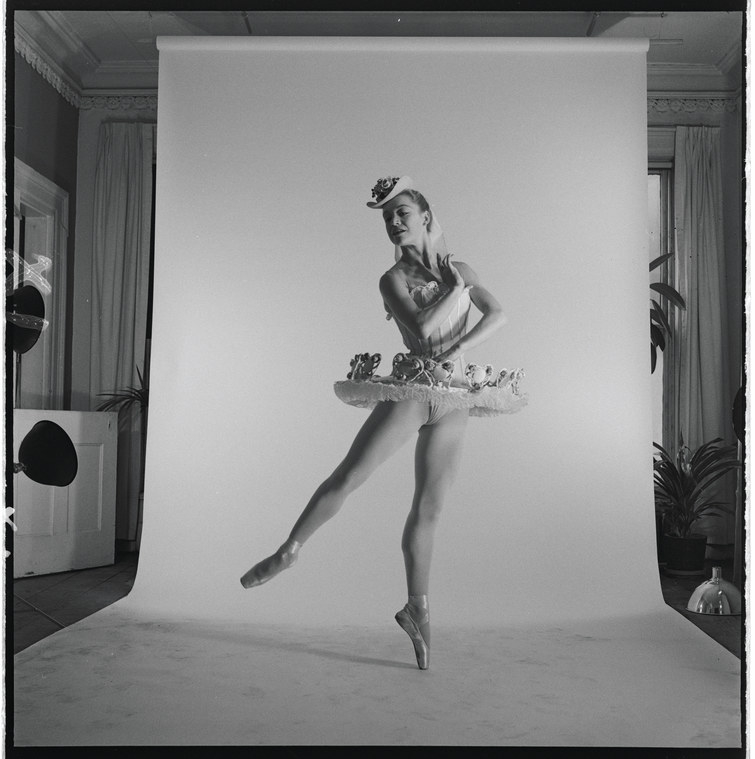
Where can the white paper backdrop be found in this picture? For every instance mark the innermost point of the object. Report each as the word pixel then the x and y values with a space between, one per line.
pixel 533 154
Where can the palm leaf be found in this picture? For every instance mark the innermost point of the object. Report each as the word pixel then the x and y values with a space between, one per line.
pixel 705 484
pixel 706 456
pixel 127 397
pixel 668 292
pixel 659 315
pixel 655 263
pixel 656 337
pixel 117 401
pixel 680 483
pixel 663 452
pixel 708 513
pixel 715 467
pixel 706 448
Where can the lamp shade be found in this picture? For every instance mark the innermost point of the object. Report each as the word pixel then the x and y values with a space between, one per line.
pixel 716 596
pixel 22 303
pixel 47 455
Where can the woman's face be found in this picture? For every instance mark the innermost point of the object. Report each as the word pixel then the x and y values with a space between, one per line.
pixel 405 223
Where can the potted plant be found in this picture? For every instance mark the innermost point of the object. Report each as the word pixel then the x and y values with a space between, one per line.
pixel 124 399
pixel 658 320
pixel 682 497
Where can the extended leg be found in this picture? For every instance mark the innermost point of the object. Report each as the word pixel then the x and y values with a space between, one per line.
pixel 436 461
pixel 387 428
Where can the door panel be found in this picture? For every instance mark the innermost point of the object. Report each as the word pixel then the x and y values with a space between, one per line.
pixel 73 527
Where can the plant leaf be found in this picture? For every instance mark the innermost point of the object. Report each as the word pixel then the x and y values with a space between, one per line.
pixel 656 262
pixel 668 292
pixel 707 446
pixel 697 492
pixel 657 338
pixel 665 455
pixel 708 468
pixel 660 316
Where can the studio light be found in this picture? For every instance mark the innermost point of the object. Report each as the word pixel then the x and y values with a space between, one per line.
pixel 716 596
pixel 47 455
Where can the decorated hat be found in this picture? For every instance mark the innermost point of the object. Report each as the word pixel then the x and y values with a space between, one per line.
pixel 387 188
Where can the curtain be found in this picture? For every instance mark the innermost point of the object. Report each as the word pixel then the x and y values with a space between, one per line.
pixel 120 287
pixel 703 405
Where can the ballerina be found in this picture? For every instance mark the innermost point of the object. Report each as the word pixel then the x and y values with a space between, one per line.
pixel 430 298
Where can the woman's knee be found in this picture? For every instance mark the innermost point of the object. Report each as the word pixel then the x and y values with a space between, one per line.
pixel 428 504
pixel 346 477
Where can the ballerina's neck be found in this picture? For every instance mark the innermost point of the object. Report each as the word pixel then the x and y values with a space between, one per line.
pixel 418 267
pixel 418 254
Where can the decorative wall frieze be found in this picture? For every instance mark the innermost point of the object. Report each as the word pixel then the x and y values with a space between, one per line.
pixel 54 77
pixel 692 105
pixel 32 53
pixel 119 102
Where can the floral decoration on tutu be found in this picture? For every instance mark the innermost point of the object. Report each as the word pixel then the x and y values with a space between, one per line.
pixel 484 392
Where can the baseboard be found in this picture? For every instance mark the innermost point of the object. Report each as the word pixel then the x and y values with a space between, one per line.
pixel 126 546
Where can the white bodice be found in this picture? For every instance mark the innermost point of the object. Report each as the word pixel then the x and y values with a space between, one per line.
pixel 453 327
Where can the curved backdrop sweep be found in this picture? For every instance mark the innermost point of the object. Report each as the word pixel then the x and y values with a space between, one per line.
pixel 533 154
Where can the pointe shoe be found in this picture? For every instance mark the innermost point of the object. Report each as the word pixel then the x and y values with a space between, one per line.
pixel 268 568
pixel 410 622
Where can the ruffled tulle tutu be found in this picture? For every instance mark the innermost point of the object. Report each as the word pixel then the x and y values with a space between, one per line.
pixel 483 394
pixel 489 401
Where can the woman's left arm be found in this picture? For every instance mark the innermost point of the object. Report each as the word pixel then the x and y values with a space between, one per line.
pixel 492 319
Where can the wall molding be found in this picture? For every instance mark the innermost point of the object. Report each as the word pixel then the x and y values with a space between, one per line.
pixel 665 103
pixel 53 75
pixel 26 47
pixel 692 104
pixel 118 102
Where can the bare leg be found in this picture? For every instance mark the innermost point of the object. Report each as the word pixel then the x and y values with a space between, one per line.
pixel 387 428
pixel 436 462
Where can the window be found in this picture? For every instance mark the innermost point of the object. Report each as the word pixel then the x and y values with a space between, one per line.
pixel 660 231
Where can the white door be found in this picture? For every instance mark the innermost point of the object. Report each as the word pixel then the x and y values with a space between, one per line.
pixel 73 527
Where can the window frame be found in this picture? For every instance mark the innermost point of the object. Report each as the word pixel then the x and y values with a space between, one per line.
pixel 667 274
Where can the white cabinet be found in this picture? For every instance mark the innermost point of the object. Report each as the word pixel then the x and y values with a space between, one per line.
pixel 73 527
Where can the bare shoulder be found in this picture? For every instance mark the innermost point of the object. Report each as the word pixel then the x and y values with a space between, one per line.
pixel 392 279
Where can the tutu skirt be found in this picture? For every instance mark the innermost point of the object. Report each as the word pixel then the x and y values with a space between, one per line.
pixel 481 395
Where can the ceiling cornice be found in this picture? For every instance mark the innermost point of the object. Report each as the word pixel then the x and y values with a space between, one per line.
pixel 689 77
pixel 85 99
pixel 661 99
pixel 53 74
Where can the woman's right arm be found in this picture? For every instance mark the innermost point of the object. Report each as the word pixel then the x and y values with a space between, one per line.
pixel 422 322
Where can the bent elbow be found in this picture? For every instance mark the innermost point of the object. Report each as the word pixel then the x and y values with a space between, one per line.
pixel 499 318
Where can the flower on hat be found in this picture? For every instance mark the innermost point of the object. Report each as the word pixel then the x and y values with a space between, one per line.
pixel 383 187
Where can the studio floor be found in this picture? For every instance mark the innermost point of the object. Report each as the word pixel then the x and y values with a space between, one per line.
pixel 123 678
pixel 45 604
